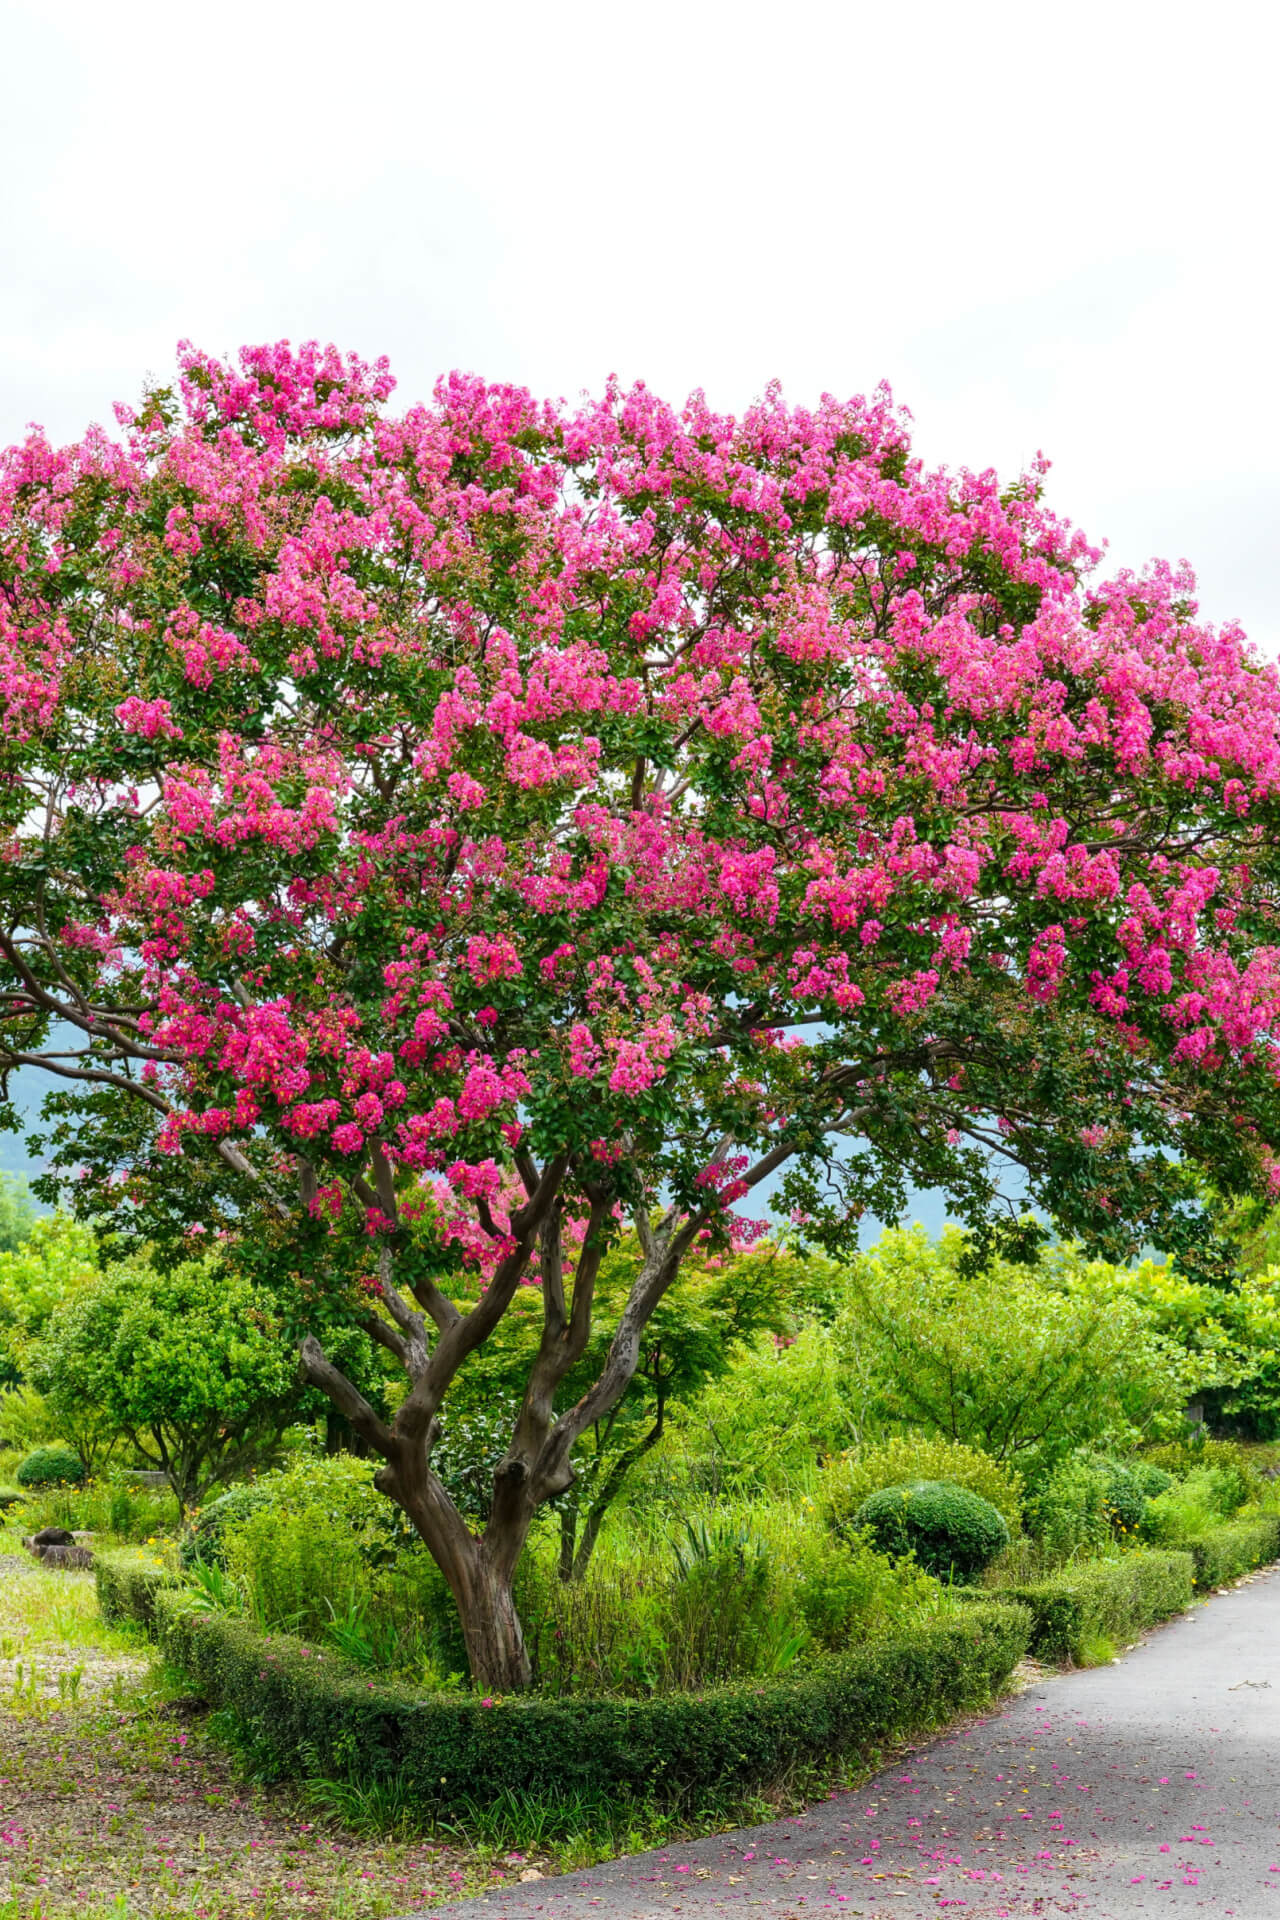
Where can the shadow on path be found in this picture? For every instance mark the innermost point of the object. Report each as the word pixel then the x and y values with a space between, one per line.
pixel 1147 1787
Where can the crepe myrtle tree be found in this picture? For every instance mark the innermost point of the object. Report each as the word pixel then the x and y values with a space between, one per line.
pixel 625 800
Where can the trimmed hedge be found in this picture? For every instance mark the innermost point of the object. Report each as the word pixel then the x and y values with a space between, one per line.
pixel 1224 1553
pixel 128 1583
pixel 1117 1598
pixel 306 1709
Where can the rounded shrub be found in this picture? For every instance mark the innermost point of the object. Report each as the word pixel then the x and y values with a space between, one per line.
pixel 205 1538
pixel 55 1466
pixel 1151 1479
pixel 1124 1499
pixel 911 1457
pixel 953 1532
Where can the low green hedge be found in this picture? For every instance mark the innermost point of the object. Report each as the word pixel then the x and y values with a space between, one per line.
pixel 128 1582
pixel 1238 1546
pixel 305 1708
pixel 1116 1598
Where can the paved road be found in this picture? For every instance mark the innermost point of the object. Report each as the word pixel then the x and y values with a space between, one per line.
pixel 1147 1787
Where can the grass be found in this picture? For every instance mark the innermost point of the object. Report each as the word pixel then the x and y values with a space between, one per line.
pixel 116 1801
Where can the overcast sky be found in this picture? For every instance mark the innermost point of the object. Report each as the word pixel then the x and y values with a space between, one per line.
pixel 1048 227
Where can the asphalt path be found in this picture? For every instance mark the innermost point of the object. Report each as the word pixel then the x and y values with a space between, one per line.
pixel 1147 1787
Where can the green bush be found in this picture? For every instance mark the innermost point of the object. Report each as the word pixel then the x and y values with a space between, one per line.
pixel 1225 1553
pixel 1114 1598
pixel 1069 1512
pixel 128 1583
pixel 1123 1494
pixel 847 1592
pixel 301 1707
pixel 55 1466
pixel 952 1532
pixel 1196 1451
pixel 1150 1478
pixel 205 1537
pixel 1192 1506
pixel 909 1457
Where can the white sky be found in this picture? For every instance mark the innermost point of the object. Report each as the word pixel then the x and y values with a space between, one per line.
pixel 1047 227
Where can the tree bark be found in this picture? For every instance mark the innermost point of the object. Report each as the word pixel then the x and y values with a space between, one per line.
pixel 494 1637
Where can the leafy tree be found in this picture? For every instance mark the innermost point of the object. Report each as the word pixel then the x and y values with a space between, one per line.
pixel 189 1364
pixel 56 1260
pixel 716 1306
pixel 629 801
pixel 1025 1362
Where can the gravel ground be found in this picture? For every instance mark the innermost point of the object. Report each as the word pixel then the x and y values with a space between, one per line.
pixel 1150 1786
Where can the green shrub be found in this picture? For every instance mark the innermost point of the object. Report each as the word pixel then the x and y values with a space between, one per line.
pixel 128 1583
pixel 317 1550
pixel 1224 1553
pixel 205 1537
pixel 1069 1513
pixel 1150 1478
pixel 906 1458
pixel 1196 1451
pixel 54 1466
pixel 301 1707
pixel 1124 1497
pixel 1192 1506
pixel 1100 1599
pixel 849 1592
pixel 114 1507
pixel 11 1497
pixel 952 1532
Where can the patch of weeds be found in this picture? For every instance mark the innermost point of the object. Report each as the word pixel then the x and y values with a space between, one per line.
pixel 1096 1650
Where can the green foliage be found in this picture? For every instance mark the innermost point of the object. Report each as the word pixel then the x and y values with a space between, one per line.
pixel 112 1507
pixel 782 1410
pixel 1085 1503
pixel 25 1420
pixel 292 1699
pixel 18 1213
pixel 848 1592
pixel 1227 1552
pixel 1192 1506
pixel 1149 1478
pixel 908 1457
pixel 128 1583
pixel 1113 1599
pixel 50 1264
pixel 54 1466
pixel 204 1537
pixel 189 1364
pixel 317 1550
pixel 952 1532
pixel 1196 1450
pixel 1025 1361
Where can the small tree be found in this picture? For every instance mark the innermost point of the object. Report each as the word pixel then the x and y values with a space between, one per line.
pixel 1024 1360
pixel 189 1365
pixel 626 801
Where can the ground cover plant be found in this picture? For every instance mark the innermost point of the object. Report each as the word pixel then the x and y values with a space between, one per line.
pixel 565 819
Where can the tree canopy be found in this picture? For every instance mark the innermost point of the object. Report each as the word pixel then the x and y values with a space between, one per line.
pixel 189 1365
pixel 622 801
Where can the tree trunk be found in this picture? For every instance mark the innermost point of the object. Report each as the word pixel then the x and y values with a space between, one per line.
pixel 498 1657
